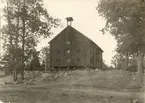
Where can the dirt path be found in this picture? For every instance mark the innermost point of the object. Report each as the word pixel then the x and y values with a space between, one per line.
pixel 107 93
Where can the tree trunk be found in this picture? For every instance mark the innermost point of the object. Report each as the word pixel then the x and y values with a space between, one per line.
pixel 23 44
pixel 46 61
pixel 23 55
pixel 10 40
pixel 16 46
pixel 15 70
pixel 126 61
pixel 140 68
pixel 15 75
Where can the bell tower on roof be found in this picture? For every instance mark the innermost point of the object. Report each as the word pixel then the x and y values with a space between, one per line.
pixel 69 21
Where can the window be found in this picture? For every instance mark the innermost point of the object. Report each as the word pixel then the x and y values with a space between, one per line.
pixel 78 50
pixel 91 60
pixel 57 60
pixel 57 51
pixel 78 59
pixel 68 51
pixel 68 60
pixel 68 42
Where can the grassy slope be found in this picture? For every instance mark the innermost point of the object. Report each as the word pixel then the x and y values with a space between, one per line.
pixel 99 79
pixel 75 79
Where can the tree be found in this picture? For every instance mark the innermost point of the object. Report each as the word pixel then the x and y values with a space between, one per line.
pixel 27 20
pixel 45 57
pixel 125 20
pixel 35 61
pixel 117 61
pixel 120 61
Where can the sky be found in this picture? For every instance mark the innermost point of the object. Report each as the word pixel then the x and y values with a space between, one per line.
pixel 86 20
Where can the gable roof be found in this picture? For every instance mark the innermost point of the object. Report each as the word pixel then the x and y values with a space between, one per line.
pixel 70 27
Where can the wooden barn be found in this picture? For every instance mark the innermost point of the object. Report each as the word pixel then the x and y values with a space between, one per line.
pixel 70 48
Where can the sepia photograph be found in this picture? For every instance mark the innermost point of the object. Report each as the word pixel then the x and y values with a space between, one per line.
pixel 72 51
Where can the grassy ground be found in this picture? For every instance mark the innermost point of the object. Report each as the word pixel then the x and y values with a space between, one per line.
pixel 55 96
pixel 71 87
